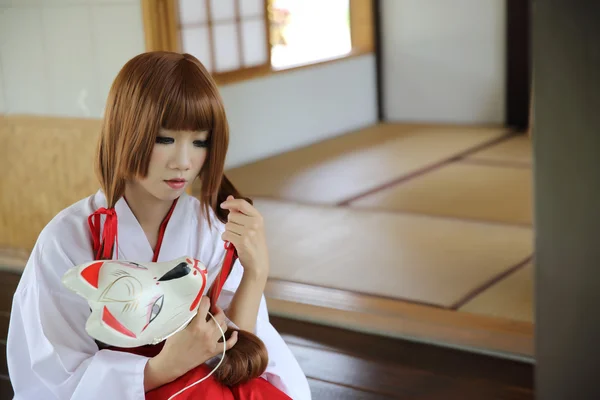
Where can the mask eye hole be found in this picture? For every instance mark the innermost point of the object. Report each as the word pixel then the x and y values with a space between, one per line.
pixel 181 270
pixel 156 308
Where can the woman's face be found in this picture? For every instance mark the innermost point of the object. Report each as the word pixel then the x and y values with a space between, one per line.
pixel 175 162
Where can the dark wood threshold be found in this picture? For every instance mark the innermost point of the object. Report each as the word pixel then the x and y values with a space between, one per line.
pixel 6 391
pixel 341 364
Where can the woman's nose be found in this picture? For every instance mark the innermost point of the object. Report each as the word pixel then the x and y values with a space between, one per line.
pixel 181 158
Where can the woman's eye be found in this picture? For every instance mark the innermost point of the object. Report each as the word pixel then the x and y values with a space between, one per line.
pixel 164 140
pixel 201 143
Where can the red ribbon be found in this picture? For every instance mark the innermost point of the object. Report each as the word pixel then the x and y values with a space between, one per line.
pixel 103 249
pixel 231 256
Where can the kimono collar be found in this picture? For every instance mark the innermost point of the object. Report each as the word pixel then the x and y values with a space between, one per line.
pixel 105 238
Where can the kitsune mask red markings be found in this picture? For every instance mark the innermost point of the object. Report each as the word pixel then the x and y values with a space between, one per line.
pixel 138 303
pixel 199 296
pixel 111 321
pixel 91 273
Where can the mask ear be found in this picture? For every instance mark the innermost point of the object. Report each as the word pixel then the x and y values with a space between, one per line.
pixel 83 279
pixel 91 273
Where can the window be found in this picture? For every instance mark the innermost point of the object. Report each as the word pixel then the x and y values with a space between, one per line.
pixel 226 35
pixel 241 39
pixel 299 35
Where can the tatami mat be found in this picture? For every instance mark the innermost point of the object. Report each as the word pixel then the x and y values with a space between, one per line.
pixel 340 168
pixel 514 150
pixel 418 258
pixel 462 190
pixel 511 298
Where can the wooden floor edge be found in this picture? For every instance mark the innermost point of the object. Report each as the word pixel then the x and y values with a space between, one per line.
pixel 402 320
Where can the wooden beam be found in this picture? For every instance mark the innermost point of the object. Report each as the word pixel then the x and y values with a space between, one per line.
pixel 160 18
pixel 361 25
pixel 400 319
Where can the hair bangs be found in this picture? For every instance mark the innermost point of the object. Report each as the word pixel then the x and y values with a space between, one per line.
pixel 191 105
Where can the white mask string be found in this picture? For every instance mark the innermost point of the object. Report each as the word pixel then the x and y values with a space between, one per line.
pixel 215 368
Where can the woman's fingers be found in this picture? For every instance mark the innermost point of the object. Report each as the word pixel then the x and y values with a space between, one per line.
pixel 234 228
pixel 240 205
pixel 233 238
pixel 232 340
pixel 219 315
pixel 240 219
pixel 203 308
pixel 224 327
pixel 220 320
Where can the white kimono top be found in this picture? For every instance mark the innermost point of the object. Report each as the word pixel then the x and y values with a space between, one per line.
pixel 51 356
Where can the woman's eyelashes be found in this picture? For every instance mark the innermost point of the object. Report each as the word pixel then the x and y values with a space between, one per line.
pixel 169 140
pixel 201 143
pixel 164 140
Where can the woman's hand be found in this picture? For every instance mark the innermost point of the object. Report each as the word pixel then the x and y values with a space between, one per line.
pixel 192 346
pixel 245 230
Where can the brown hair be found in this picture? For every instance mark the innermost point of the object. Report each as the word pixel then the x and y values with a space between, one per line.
pixel 247 359
pixel 162 90
pixel 173 91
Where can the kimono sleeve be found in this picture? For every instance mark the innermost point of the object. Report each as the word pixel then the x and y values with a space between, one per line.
pixel 49 353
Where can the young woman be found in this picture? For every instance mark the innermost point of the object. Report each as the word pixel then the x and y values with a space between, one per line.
pixel 164 127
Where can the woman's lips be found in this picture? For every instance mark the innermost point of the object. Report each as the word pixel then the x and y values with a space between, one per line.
pixel 176 183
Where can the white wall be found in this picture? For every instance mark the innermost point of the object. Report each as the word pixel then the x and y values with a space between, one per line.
pixel 59 57
pixel 291 109
pixel 444 60
pixel 2 93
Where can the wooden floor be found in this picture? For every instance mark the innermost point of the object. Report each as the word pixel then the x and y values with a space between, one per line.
pixel 347 365
pixel 404 231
